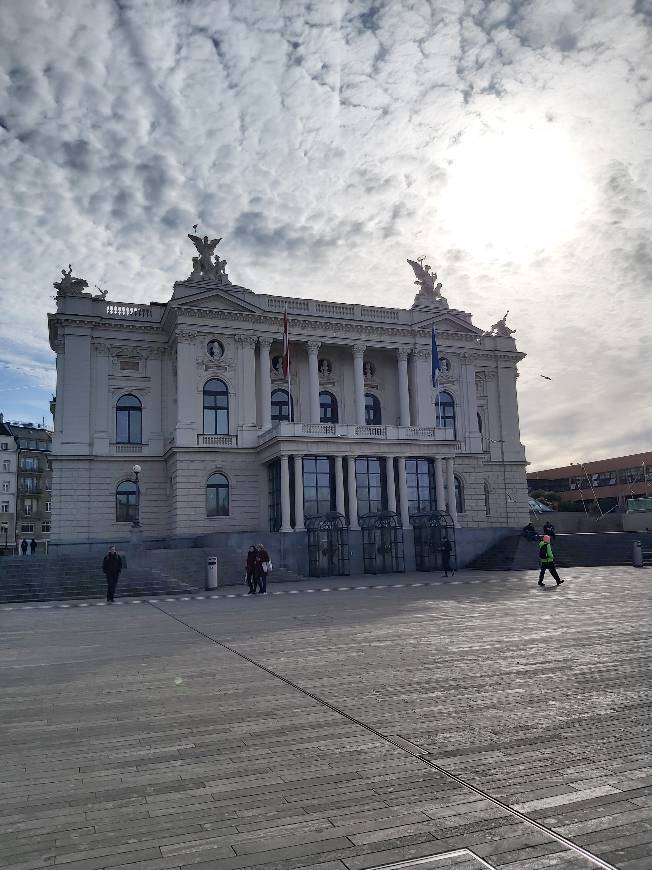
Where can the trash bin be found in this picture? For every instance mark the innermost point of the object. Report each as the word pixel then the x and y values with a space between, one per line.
pixel 211 572
pixel 637 555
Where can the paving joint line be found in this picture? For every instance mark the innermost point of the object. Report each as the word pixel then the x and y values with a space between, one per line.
pixel 8 606
pixel 564 841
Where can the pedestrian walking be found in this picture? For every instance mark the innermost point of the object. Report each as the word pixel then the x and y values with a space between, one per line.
pixel 112 566
pixel 547 561
pixel 23 546
pixel 263 566
pixel 446 550
pixel 32 547
pixel 250 570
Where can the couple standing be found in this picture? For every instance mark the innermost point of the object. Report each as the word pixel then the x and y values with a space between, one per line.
pixel 257 568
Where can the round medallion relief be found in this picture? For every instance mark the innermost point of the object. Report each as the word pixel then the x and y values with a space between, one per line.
pixel 215 349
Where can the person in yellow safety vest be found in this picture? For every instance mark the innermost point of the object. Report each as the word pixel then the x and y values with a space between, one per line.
pixel 547 561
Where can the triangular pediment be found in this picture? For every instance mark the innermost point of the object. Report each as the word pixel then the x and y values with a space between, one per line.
pixel 208 294
pixel 449 321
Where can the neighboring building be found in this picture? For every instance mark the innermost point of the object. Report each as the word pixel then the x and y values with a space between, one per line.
pixel 610 482
pixel 34 483
pixel 193 391
pixel 8 468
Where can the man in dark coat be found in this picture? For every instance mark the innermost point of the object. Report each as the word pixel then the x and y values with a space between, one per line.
pixel 32 547
pixel 112 566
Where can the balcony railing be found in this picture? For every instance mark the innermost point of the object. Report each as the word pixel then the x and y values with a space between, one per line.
pixel 128 448
pixel 217 441
pixel 350 430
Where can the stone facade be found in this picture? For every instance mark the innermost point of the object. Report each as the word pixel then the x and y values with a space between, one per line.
pixel 159 358
pixel 8 487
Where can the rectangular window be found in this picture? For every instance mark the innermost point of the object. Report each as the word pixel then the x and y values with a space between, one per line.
pixel 27 527
pixel 48 507
pixel 128 365
pixel 45 526
pixel 27 508
pixel 318 485
pixel 4 446
pixel 6 465
pixel 4 507
pixel 5 486
pixel 370 484
pixel 422 494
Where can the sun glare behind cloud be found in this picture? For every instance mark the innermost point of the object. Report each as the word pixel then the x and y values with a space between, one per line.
pixel 515 193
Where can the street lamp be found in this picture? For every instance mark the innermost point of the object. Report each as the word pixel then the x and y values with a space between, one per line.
pixel 136 470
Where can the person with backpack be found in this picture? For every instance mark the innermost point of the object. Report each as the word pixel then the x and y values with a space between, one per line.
pixel 547 561
pixel 263 566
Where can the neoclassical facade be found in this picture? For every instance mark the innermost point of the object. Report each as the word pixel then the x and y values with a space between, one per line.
pixel 193 391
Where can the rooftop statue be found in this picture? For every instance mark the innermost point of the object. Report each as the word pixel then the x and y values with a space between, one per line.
pixel 69 285
pixel 500 328
pixel 429 292
pixel 203 264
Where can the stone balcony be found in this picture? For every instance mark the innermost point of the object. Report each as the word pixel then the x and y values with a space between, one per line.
pixel 351 430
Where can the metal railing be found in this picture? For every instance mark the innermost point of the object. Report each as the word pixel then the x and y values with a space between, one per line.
pixel 217 440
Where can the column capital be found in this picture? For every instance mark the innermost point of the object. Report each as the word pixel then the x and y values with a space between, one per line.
pixel 402 353
pixel 246 340
pixel 185 336
pixel 313 346
pixel 359 348
pixel 265 343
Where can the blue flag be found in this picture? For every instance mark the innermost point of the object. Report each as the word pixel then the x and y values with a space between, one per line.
pixel 436 365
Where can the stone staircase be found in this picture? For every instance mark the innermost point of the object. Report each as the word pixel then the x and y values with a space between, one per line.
pixel 514 553
pixel 158 573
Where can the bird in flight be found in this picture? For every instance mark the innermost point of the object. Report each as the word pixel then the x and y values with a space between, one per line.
pixel 545 377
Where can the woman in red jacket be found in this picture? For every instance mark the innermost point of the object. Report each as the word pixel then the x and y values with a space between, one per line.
pixel 250 570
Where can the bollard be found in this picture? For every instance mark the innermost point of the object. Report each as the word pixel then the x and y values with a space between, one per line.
pixel 637 555
pixel 211 572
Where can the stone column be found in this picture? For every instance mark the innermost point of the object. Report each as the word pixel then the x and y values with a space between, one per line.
pixel 358 379
pixel 450 484
pixel 339 486
pixel 403 493
pixel 101 365
pixel 265 383
pixel 424 406
pixel 391 488
pixel 353 494
pixel 188 404
pixel 403 388
pixel 154 418
pixel 473 439
pixel 313 379
pixel 439 484
pixel 298 493
pixel 285 495
pixel 247 368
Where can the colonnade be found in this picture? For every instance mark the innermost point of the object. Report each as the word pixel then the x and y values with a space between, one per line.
pixel 396 502
pixel 313 348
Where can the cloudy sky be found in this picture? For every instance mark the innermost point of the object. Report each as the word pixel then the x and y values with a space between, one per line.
pixel 328 140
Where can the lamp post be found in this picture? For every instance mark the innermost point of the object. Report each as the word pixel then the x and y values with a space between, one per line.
pixel 136 470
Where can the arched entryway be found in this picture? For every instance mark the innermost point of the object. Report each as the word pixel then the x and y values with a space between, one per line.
pixel 328 545
pixel 382 543
pixel 433 531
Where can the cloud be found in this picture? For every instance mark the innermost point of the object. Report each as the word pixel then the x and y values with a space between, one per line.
pixel 323 141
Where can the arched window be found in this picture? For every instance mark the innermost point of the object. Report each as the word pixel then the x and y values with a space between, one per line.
pixel 487 499
pixel 459 495
pixel 216 407
pixel 126 502
pixel 128 420
pixel 445 413
pixel 280 406
pixel 217 496
pixel 372 415
pixel 327 408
